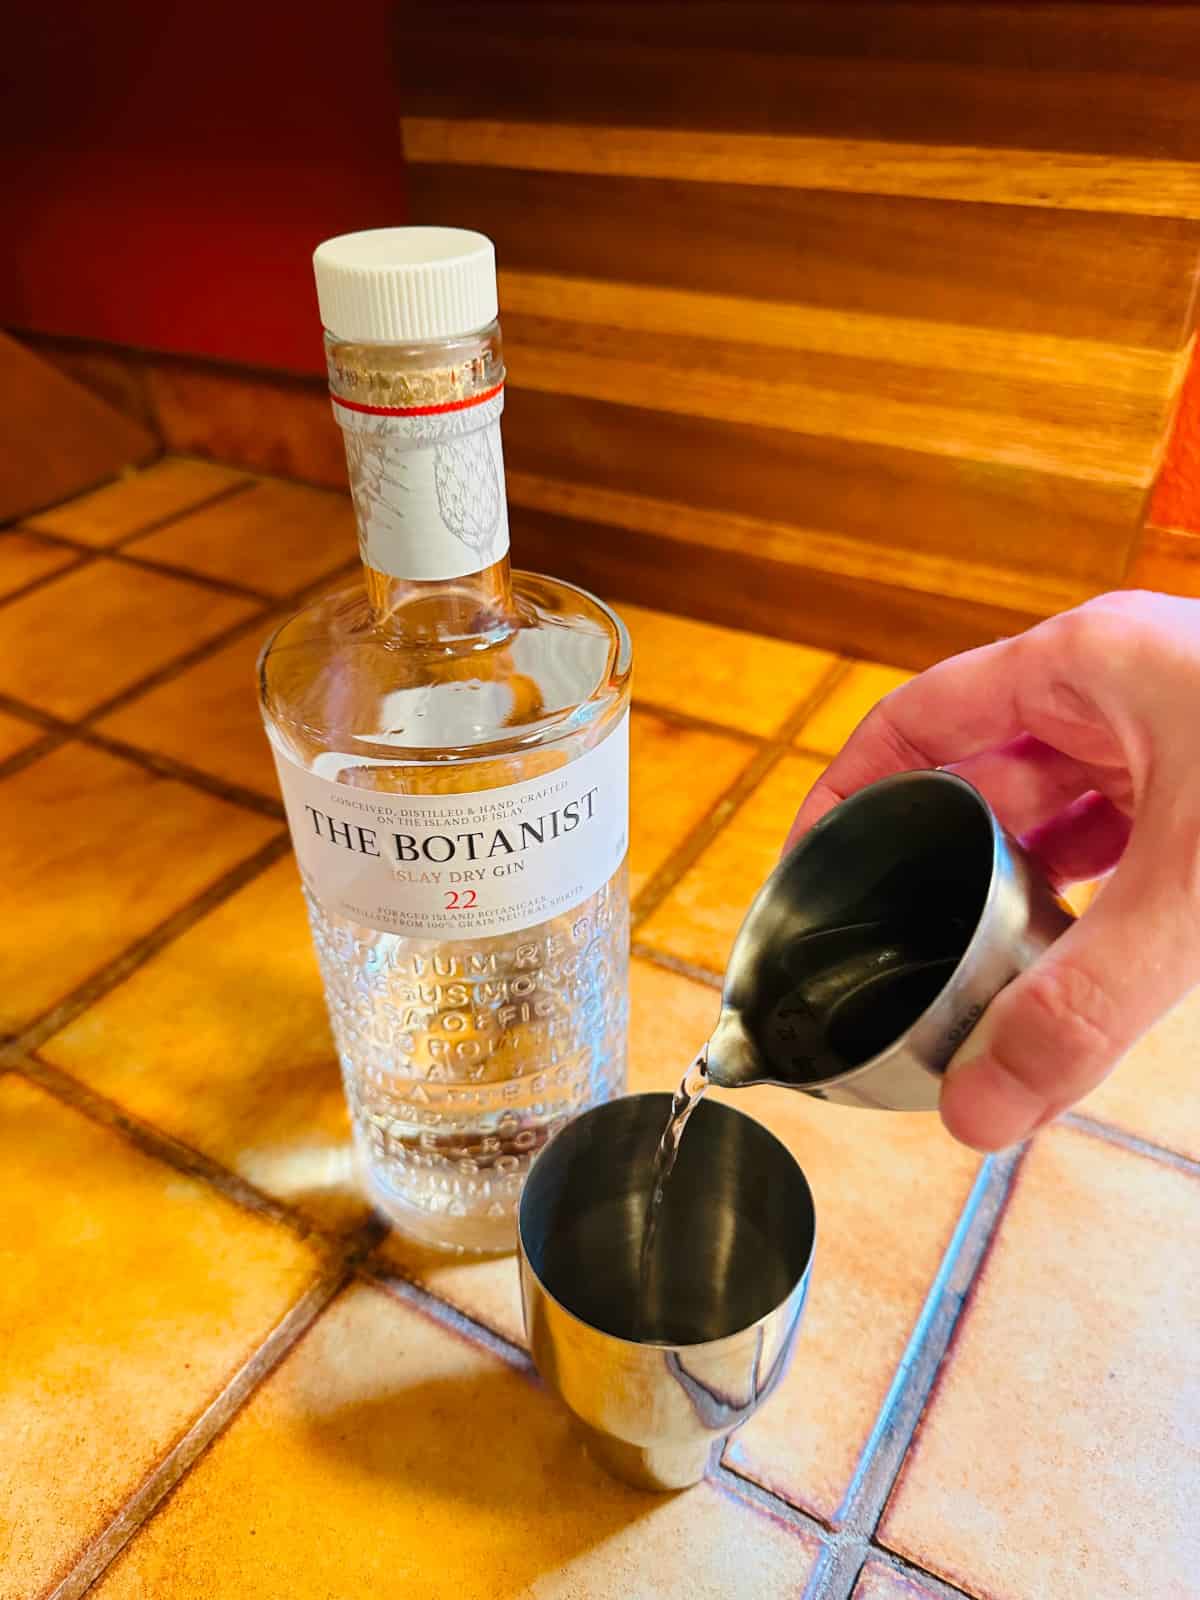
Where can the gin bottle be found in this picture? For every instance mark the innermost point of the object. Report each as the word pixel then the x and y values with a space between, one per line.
pixel 451 739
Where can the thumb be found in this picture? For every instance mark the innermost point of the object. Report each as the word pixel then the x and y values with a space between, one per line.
pixel 1059 1028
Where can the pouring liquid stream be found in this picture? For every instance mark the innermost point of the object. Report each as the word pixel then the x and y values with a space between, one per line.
pixel 685 1100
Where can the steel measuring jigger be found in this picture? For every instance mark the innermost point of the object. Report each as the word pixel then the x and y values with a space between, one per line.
pixel 655 1383
pixel 876 945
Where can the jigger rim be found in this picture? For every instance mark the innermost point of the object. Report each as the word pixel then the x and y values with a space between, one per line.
pixel 657 1345
pixel 839 816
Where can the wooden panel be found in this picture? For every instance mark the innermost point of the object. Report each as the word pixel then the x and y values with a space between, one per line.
pixel 904 502
pixel 56 437
pixel 889 296
pixel 744 591
pixel 1108 279
pixel 1101 435
pixel 1162 40
pixel 1007 176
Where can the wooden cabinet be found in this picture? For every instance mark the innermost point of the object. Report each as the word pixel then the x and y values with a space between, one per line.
pixel 863 323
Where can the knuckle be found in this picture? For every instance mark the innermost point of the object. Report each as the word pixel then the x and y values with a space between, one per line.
pixel 1075 1013
pixel 902 752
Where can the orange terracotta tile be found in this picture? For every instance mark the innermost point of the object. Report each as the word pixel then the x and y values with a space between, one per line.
pixel 888 1191
pixel 207 717
pixel 485 1288
pixel 276 537
pixel 677 776
pixel 669 1019
pixel 24 558
pixel 438 1471
pixel 879 1582
pixel 16 734
pixel 835 719
pixel 136 500
pixel 78 641
pixel 1153 1093
pixel 129 1296
pixel 1061 1451
pixel 108 851
pixel 740 679
pixel 215 411
pixel 222 1040
pixel 699 918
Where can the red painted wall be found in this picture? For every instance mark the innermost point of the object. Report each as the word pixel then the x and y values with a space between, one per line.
pixel 1176 501
pixel 168 170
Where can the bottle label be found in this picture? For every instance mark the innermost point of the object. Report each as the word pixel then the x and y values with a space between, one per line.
pixel 462 866
pixel 428 485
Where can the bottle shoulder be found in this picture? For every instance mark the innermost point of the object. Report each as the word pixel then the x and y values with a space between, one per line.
pixel 333 679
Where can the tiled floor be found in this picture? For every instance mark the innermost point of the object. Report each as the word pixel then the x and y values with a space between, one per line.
pixel 187 1261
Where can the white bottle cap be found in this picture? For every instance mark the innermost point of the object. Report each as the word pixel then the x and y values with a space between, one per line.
pixel 393 285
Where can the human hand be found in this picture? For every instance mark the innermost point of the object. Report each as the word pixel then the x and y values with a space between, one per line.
pixel 1084 736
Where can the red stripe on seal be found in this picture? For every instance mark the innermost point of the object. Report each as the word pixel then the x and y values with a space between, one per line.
pixel 418 411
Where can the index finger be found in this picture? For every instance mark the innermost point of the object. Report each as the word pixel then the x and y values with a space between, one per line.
pixel 947 713
pixel 969 704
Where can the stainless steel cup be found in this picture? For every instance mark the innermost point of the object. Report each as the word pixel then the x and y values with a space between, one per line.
pixel 876 945
pixel 654 1384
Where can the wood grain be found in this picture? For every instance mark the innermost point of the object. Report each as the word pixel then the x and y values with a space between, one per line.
pixel 783 542
pixel 1073 431
pixel 890 295
pixel 821 82
pixel 1159 40
pixel 1105 278
pixel 1009 176
pixel 833 331
pixel 896 502
pixel 57 437
pixel 740 590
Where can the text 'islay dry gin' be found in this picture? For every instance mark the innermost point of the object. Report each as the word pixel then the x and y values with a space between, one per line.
pixel 452 746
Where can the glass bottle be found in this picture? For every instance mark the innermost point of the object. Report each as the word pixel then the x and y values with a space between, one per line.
pixel 452 744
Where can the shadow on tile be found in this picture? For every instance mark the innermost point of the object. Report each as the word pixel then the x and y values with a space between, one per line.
pixel 387 1455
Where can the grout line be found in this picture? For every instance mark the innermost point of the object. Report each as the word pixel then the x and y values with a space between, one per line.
pixel 894 1428
pixel 137 954
pixel 764 1502
pixel 839 1565
pixel 165 766
pixel 175 667
pixel 688 719
pixel 165 1147
pixel 768 756
pixel 172 569
pixel 31 713
pixel 231 492
pixel 153 761
pixel 280 607
pixel 119 553
pixel 45 578
pixel 28 754
pixel 937 1588
pixel 211 1422
pixel 685 855
pixel 675 964
pixel 1110 1134
pixel 27 524
pixel 448 1316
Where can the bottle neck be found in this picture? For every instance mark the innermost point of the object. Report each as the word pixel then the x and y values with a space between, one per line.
pixel 422 429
